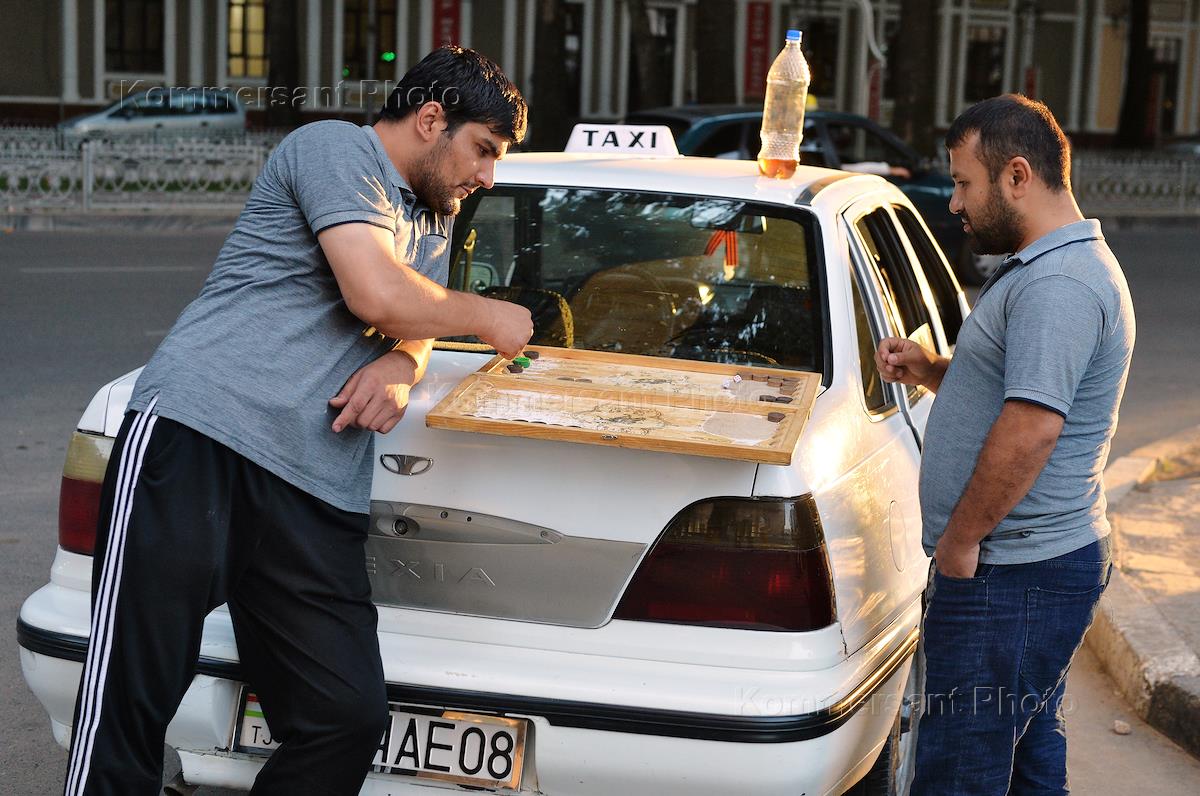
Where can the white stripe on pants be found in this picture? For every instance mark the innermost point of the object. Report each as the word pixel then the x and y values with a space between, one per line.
pixel 100 645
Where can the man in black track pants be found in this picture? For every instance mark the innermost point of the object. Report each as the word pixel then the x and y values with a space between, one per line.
pixel 242 472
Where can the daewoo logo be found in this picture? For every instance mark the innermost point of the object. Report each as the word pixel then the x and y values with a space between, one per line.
pixel 401 464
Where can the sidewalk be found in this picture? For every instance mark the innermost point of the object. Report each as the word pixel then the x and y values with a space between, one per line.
pixel 1147 631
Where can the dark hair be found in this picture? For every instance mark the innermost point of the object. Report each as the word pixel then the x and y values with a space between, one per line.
pixel 1012 126
pixel 470 87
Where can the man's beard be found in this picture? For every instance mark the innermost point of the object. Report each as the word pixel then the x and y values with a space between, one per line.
pixel 433 192
pixel 996 227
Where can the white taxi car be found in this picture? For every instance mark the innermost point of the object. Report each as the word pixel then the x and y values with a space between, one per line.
pixel 562 618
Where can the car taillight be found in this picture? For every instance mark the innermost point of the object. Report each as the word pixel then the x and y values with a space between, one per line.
pixel 79 497
pixel 750 563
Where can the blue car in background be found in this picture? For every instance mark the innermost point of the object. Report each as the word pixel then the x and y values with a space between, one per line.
pixel 833 140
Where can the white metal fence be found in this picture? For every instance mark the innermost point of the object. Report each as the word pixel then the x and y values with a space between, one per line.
pixel 43 169
pixel 36 138
pixel 1143 184
pixel 180 176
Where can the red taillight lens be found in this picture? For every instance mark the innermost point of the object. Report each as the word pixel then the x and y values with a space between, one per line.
pixel 79 496
pixel 755 564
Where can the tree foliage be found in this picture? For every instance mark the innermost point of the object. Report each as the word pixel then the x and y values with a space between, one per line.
pixel 1134 129
pixel 715 51
pixel 283 65
pixel 914 67
pixel 648 80
pixel 550 120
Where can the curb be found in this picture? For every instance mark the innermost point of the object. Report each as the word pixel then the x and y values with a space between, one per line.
pixel 1156 672
pixel 125 221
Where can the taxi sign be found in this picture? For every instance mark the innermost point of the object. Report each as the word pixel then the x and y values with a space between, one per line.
pixel 624 139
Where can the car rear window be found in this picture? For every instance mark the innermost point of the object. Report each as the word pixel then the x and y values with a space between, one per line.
pixel 686 277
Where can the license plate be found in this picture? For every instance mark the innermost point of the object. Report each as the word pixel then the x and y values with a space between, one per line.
pixel 427 743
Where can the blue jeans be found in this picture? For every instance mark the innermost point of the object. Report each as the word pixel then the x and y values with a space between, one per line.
pixel 997 649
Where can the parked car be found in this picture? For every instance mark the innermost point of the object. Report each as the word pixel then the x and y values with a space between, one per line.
pixel 163 110
pixel 833 140
pixel 622 620
pixel 1186 145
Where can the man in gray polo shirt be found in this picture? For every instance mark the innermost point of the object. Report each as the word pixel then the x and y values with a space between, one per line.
pixel 1011 492
pixel 242 472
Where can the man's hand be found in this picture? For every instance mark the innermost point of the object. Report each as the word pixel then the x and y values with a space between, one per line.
pixel 509 328
pixel 954 560
pixel 376 396
pixel 899 359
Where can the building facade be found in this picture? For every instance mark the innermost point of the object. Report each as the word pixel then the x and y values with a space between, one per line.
pixel 62 57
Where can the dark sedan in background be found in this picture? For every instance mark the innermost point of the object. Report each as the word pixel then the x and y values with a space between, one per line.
pixel 832 140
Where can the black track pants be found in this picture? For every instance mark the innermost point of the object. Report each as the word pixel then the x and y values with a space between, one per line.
pixel 185 525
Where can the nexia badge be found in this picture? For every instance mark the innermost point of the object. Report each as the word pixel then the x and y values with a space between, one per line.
pixel 623 139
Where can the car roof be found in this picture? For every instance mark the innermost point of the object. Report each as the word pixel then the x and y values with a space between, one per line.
pixel 727 179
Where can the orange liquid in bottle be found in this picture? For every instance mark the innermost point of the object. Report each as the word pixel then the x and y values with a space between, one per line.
pixel 774 167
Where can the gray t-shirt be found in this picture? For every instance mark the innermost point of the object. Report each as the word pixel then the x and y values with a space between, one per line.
pixel 253 361
pixel 1054 326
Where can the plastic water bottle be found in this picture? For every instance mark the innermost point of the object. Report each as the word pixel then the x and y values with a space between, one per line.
pixel 783 111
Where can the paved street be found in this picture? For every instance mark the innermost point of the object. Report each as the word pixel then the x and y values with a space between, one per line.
pixel 77 309
pixel 1161 267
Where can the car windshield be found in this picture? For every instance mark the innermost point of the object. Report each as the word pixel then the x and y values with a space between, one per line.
pixel 687 277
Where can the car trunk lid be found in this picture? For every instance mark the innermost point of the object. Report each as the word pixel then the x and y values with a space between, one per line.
pixel 517 528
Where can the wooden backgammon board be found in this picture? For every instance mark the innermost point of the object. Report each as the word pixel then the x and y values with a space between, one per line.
pixel 672 405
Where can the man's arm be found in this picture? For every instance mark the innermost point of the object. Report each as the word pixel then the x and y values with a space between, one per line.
pixel 401 303
pixel 1013 455
pixel 376 396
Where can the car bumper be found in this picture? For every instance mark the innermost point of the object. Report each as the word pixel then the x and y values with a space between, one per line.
pixel 582 740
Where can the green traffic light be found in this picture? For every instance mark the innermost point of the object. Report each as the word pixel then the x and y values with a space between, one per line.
pixel 388 57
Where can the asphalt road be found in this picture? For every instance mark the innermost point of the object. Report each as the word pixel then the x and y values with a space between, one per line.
pixel 78 309
pixel 1164 279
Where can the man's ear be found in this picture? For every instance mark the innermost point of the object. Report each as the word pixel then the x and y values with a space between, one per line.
pixel 431 121
pixel 1017 177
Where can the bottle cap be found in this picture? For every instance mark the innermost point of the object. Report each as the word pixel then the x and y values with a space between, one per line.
pixel 793 35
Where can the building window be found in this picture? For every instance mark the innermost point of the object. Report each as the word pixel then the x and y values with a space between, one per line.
pixel 1164 80
pixel 247 56
pixel 1169 10
pixel 355 33
pixel 985 62
pixel 133 36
